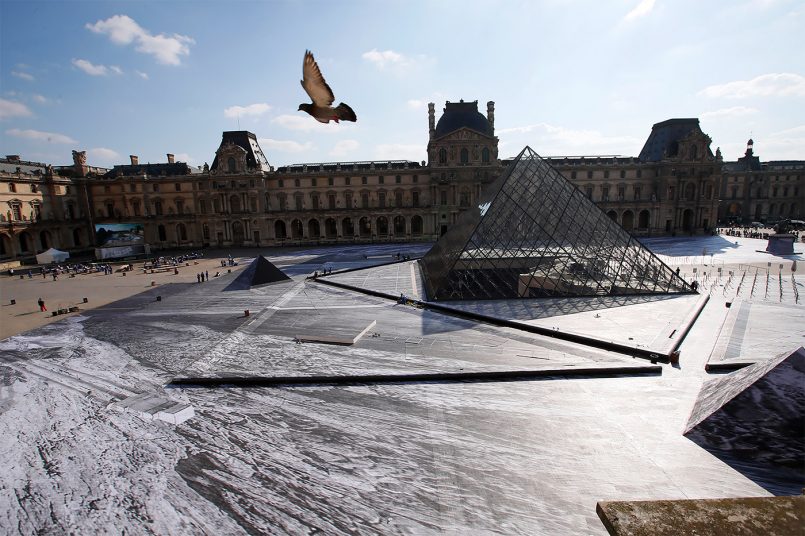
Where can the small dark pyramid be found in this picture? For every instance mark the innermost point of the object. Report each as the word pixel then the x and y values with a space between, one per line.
pixel 533 234
pixel 260 272
pixel 754 420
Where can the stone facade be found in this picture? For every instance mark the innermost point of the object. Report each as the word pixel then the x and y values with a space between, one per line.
pixel 764 192
pixel 673 186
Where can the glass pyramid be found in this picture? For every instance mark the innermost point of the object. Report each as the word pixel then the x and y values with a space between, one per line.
pixel 534 235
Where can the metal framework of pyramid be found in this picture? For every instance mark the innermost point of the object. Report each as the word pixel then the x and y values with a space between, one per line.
pixel 534 234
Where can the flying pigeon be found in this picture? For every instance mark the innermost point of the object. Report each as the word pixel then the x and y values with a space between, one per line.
pixel 321 95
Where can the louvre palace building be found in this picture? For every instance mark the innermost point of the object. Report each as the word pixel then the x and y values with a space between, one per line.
pixel 676 185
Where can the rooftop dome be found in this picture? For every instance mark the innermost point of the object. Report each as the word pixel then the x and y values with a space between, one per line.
pixel 462 114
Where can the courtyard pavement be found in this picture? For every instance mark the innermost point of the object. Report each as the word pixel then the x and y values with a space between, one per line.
pixel 95 439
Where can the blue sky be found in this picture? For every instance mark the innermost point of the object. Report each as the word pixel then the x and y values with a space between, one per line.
pixel 568 77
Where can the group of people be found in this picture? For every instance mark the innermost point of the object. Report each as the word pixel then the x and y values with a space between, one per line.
pixel 753 232
pixel 163 262
pixel 204 276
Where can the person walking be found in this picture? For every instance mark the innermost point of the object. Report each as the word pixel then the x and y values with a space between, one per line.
pixel 206 275
pixel 41 303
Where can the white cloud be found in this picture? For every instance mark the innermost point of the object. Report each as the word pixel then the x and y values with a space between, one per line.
pixel 40 99
pixel 285 146
pixel 256 110
pixel 735 111
pixel 24 76
pixel 416 104
pixel 388 60
pixel 765 85
pixel 400 151
pixel 13 109
pixel 344 147
pixel 550 140
pixel 306 123
pixel 103 155
pixel 185 157
pixel 96 70
pixel 641 10
pixel 38 135
pixel 141 74
pixel 123 30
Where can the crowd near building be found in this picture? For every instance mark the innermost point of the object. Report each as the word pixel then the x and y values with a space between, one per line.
pixel 676 185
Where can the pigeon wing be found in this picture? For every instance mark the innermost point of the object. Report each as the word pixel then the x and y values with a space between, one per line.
pixel 314 84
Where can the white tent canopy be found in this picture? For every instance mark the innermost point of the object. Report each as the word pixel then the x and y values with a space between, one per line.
pixel 52 255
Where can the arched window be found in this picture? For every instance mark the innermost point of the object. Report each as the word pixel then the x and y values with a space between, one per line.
pixel 297 230
pixel 442 156
pixel 416 225
pixel 162 235
pixel 485 155
pixel 330 228
pixel 347 228
pixel 279 230
pixel 465 156
pixel 24 242
pixel 399 225
pixel 365 227
pixel 643 219
pixel 382 226
pixel 231 165
pixel 313 229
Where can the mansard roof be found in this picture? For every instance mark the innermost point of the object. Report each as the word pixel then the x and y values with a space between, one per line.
pixel 462 115
pixel 665 136
pixel 255 158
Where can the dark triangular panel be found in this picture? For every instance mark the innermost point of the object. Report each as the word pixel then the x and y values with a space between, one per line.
pixel 260 272
pixel 754 420
pixel 533 234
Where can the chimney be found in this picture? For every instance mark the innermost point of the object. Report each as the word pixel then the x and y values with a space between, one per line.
pixel 135 160
pixel 170 158
pixel 490 114
pixel 431 120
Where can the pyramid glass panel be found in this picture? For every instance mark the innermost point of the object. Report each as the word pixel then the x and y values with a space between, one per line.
pixel 533 234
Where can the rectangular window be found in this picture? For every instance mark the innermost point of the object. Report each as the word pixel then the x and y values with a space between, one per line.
pixel 331 201
pixel 572 175
pixel 296 183
pixel 202 206
pixel 313 182
pixel 415 199
pixel 346 181
pixel 348 200
pixel 329 181
pixel 135 208
pixel 443 196
pixel 605 193
pixel 298 202
pixel 253 204
pixel 280 183
pixel 132 187
pixel 381 200
pixel 589 192
pixel 606 174
pixel 314 202
pixel 155 187
pixel 639 173
pixel 380 179
pixel 623 174
pixel 398 199
pixel 178 187
pixel 365 200
pixel 364 180
pixel 589 174
pixel 416 178
pixel 637 193
pixel 398 179
pixel 621 193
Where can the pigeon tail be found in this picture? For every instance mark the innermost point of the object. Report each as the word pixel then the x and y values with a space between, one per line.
pixel 345 113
